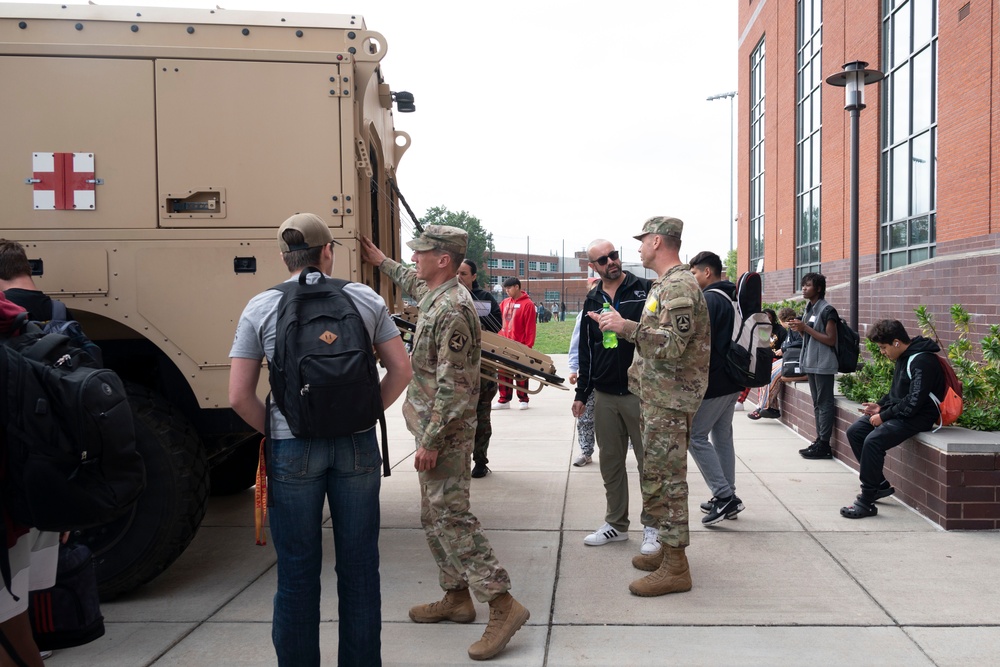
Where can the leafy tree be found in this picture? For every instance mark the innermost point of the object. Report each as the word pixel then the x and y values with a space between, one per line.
pixel 480 240
pixel 731 265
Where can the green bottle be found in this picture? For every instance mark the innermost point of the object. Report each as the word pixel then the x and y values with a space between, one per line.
pixel 610 337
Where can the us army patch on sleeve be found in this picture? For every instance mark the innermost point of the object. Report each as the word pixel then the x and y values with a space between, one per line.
pixel 458 341
pixel 682 322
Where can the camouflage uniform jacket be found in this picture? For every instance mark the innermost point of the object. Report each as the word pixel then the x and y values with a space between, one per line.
pixel 672 343
pixel 440 407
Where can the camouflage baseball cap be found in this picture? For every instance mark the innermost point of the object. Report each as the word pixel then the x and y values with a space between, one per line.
pixel 441 237
pixel 314 231
pixel 662 225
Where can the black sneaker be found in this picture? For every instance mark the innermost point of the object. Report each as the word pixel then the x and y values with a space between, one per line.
pixel 820 451
pixel 707 506
pixel 480 470
pixel 726 508
pixel 812 446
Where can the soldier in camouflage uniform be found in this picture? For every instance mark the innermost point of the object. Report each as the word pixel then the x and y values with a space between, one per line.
pixel 440 411
pixel 670 375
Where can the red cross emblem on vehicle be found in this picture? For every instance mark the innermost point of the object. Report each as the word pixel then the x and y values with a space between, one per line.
pixel 63 181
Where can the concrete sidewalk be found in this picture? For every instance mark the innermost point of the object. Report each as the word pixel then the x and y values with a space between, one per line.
pixel 789 582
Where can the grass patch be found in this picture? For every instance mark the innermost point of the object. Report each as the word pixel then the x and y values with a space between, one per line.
pixel 553 337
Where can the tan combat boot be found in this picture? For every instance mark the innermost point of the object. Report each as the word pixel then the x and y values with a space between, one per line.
pixel 456 606
pixel 673 575
pixel 507 615
pixel 650 562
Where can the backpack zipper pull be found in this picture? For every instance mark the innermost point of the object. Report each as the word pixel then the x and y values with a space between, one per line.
pixel 65 359
pixel 304 390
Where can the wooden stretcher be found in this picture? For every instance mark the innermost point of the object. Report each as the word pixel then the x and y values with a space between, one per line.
pixel 501 355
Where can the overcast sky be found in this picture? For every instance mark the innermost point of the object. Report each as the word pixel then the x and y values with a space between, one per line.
pixel 558 121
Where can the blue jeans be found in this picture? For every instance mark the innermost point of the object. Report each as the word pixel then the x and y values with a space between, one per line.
pixel 301 474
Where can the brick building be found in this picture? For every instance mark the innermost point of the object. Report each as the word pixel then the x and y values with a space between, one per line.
pixel 546 278
pixel 928 200
pixel 929 167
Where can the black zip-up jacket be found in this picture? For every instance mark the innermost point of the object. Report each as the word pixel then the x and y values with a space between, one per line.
pixel 909 397
pixel 600 368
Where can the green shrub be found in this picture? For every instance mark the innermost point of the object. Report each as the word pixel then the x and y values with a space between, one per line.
pixel 979 373
pixel 873 380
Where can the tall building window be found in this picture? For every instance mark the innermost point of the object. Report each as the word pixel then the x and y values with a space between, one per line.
pixel 757 158
pixel 807 134
pixel 909 137
pixel 520 267
pixel 532 266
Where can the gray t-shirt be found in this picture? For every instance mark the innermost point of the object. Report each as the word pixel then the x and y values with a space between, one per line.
pixel 256 331
pixel 817 358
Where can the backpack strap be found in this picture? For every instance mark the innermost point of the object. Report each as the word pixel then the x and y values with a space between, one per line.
pixel 59 310
pixel 386 470
pixel 934 399
pixel 737 320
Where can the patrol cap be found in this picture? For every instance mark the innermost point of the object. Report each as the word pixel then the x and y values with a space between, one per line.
pixel 441 237
pixel 313 229
pixel 662 225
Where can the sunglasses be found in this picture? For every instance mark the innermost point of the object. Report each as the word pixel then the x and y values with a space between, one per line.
pixel 603 259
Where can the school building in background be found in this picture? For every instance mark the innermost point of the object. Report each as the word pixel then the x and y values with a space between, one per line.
pixel 929 153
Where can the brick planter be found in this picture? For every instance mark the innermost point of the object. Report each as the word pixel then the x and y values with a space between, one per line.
pixel 952 477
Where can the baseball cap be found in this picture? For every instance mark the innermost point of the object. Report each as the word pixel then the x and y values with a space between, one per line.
pixel 662 225
pixel 314 232
pixel 441 237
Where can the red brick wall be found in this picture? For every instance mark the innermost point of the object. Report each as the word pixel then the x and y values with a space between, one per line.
pixel 968 187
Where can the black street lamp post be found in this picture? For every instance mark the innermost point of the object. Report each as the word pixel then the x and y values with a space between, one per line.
pixel 853 80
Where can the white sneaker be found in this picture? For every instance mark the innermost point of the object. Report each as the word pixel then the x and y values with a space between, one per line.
pixel 650 541
pixel 581 460
pixel 523 405
pixel 603 535
pixel 739 407
pixel 501 406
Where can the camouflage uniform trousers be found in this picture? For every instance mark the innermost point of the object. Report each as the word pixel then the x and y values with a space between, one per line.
pixel 666 434
pixel 463 554
pixel 484 427
pixel 585 427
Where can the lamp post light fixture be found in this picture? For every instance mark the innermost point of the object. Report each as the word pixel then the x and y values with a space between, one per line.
pixel 730 96
pixel 853 80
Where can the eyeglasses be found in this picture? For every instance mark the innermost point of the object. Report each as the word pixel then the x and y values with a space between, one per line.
pixel 603 259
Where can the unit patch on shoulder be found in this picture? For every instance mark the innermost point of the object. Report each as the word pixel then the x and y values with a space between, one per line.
pixel 682 322
pixel 328 337
pixel 458 341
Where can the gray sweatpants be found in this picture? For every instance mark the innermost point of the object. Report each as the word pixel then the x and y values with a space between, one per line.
pixel 716 459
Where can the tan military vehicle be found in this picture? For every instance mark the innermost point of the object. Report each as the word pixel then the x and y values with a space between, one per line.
pixel 146 159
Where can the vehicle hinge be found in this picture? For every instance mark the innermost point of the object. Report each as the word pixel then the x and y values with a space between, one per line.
pixel 340 85
pixel 343 204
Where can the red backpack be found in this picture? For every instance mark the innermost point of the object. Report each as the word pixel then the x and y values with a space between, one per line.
pixel 949 407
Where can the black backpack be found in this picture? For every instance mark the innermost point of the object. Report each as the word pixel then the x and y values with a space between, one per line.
pixel 69 613
pixel 323 374
pixel 848 347
pixel 71 461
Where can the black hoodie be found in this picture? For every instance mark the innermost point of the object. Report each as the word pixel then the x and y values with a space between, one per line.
pixel 721 317
pixel 909 397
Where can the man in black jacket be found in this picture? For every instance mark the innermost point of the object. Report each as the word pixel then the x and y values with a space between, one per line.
pixel 616 410
pixel 906 410
pixel 491 319
pixel 717 458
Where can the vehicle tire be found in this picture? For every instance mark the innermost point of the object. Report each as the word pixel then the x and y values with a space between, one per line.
pixel 137 547
pixel 238 471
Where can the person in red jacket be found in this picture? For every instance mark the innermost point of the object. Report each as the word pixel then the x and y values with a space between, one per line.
pixel 518 324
